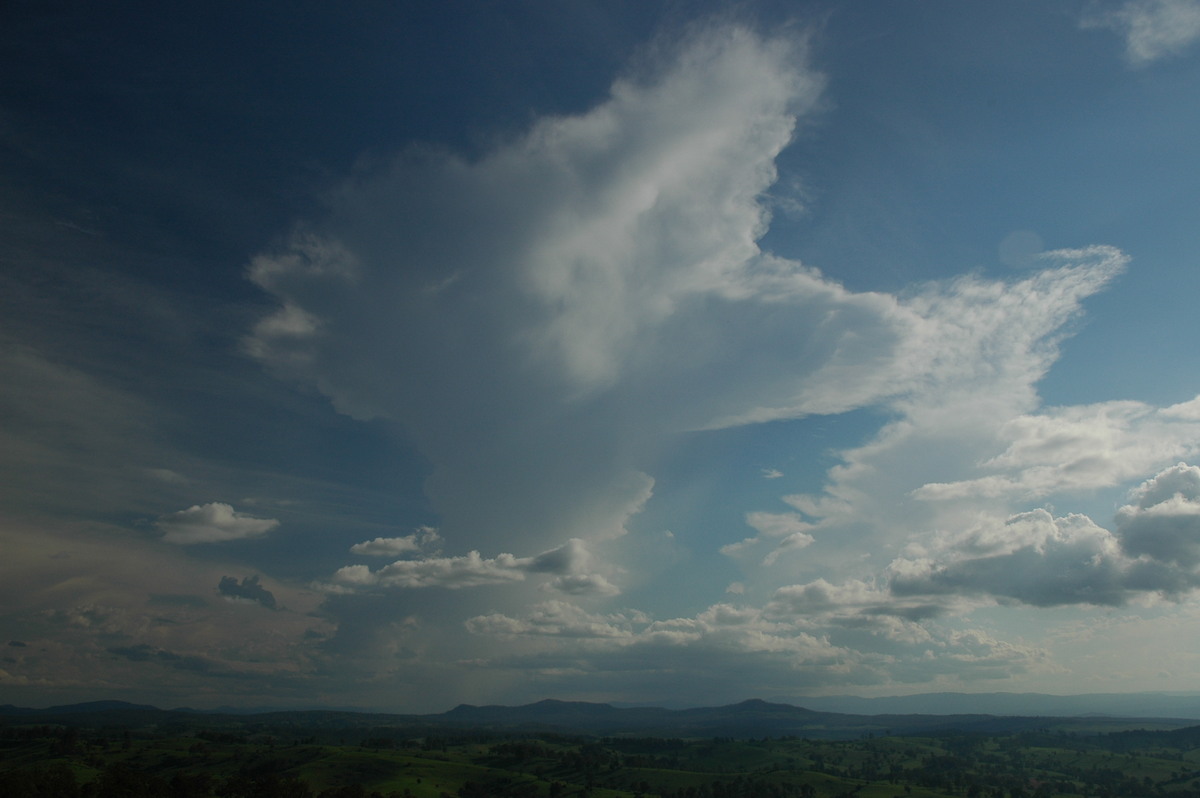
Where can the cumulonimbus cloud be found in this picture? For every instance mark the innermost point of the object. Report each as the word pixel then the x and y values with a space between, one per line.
pixel 543 320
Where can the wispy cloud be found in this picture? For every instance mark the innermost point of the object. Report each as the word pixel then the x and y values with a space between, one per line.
pixel 1152 29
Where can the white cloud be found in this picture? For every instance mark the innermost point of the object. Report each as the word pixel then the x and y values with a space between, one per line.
pixel 471 570
pixel 779 525
pixel 556 619
pixel 1078 448
pixel 583 585
pixel 1164 522
pixel 1152 29
pixel 211 523
pixel 788 528
pixel 425 537
pixel 570 563
pixel 547 290
pixel 721 626
pixel 1038 559
pixel 782 650
pixel 821 596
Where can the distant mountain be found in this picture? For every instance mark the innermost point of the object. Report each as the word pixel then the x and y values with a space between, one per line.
pixel 607 719
pixel 1126 705
pixel 86 708
pixel 752 718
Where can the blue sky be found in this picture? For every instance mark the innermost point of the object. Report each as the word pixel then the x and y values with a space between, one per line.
pixel 396 357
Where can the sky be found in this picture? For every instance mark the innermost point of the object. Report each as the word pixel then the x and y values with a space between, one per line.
pixel 402 355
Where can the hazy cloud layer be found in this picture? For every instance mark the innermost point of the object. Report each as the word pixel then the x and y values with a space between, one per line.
pixel 725 644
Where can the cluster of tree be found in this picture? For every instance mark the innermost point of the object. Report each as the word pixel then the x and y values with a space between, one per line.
pixel 207 762
pixel 121 781
pixel 743 788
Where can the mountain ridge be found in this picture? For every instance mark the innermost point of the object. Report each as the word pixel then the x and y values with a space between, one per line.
pixel 749 718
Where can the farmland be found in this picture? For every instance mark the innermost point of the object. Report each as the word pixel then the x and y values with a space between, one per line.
pixel 319 755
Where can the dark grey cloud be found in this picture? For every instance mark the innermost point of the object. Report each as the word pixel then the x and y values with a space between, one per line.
pixel 248 589
pixel 147 653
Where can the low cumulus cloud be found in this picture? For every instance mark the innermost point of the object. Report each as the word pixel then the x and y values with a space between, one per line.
pixel 569 564
pixel 1037 559
pixel 1152 29
pixel 211 523
pixel 1163 522
pixel 248 589
pixel 423 539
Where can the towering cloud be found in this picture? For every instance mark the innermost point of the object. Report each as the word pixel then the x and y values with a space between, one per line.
pixel 545 319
